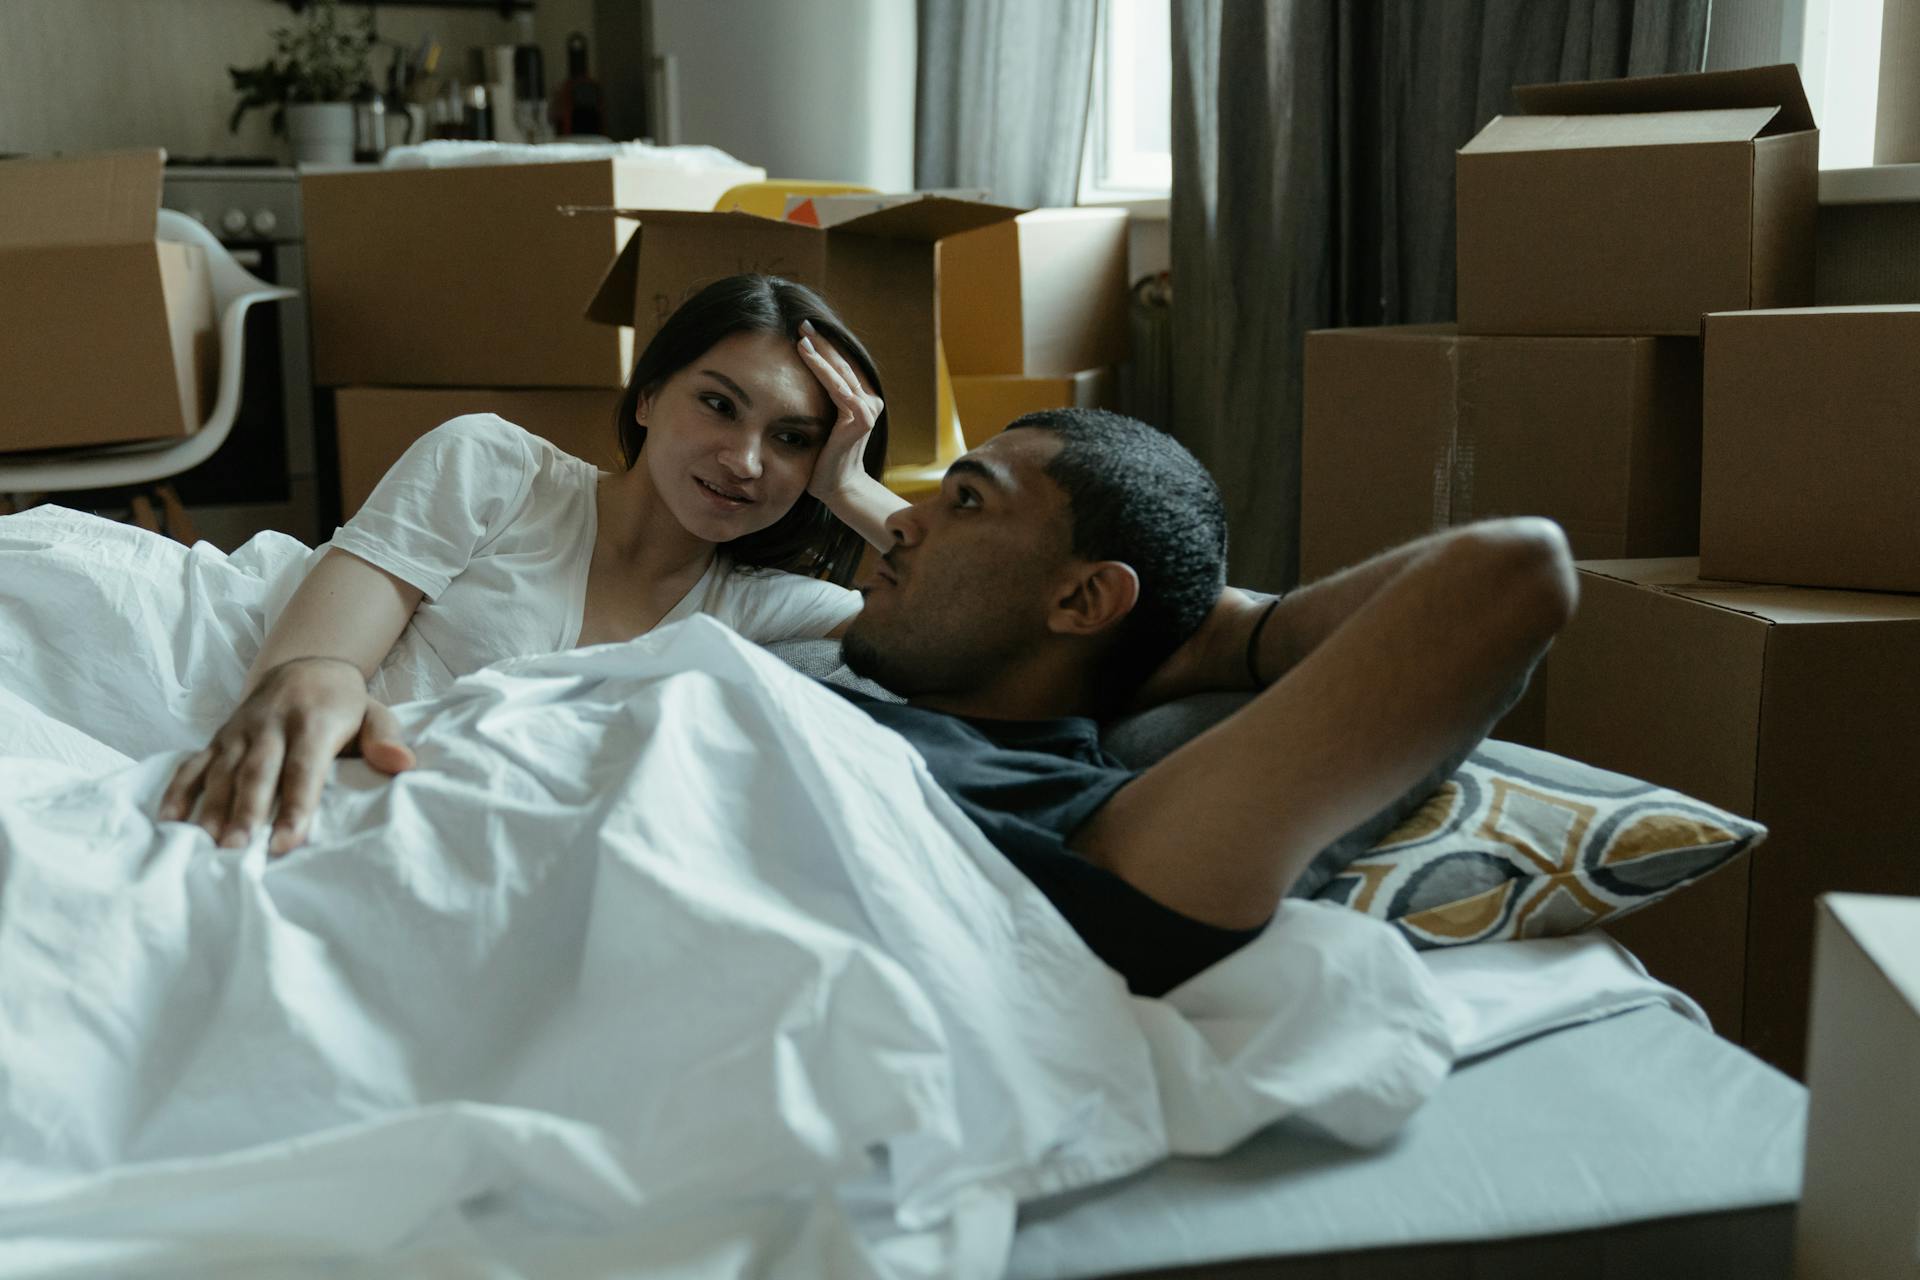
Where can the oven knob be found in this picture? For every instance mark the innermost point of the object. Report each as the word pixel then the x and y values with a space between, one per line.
pixel 234 221
pixel 264 222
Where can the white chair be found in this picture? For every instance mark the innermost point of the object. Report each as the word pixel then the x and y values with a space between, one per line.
pixel 111 466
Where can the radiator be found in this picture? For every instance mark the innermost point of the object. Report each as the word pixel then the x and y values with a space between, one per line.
pixel 1146 380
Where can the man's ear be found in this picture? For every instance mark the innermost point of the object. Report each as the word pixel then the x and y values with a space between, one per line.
pixel 1099 595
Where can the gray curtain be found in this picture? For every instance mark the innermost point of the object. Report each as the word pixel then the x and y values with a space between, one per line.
pixel 1313 153
pixel 1002 98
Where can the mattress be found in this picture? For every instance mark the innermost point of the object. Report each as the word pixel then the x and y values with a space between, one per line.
pixel 1637 1146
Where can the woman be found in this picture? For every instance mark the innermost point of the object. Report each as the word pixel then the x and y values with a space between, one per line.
pixel 754 436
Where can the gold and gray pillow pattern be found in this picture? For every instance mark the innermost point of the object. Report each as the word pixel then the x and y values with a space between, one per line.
pixel 1520 843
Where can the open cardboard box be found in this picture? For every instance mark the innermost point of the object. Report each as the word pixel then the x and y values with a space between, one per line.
pixel 106 334
pixel 1811 457
pixel 1792 706
pixel 469 277
pixel 881 272
pixel 1636 206
pixel 1859 1215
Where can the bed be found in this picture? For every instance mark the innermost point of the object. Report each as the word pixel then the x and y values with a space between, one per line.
pixel 1639 1147
pixel 479 1119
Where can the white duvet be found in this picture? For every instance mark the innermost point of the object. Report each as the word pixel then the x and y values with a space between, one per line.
pixel 665 961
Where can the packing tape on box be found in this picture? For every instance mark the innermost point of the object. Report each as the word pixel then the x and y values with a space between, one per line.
pixel 1453 453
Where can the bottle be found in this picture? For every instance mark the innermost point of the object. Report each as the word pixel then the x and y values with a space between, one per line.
pixel 529 85
pixel 577 102
pixel 369 125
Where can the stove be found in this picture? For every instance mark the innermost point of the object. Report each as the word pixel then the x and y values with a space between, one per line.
pixel 264 475
pixel 240 201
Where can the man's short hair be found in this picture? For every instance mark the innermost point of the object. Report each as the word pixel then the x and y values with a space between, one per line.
pixel 1137 496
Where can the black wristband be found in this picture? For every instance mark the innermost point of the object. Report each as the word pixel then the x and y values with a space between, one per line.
pixel 1253 644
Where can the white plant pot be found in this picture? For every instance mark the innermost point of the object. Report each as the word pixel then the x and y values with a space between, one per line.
pixel 321 132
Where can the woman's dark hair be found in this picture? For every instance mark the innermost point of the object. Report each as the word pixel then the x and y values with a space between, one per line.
pixel 808 539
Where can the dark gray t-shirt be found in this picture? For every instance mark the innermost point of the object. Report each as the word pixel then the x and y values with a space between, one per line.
pixel 1029 785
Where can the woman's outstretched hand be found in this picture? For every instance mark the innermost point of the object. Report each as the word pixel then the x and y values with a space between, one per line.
pixel 839 468
pixel 271 756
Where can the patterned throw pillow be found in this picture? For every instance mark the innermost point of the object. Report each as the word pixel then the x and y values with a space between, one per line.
pixel 1520 843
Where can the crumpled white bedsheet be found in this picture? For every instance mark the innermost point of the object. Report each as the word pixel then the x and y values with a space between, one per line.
pixel 663 954
pixel 665 961
pixel 135 641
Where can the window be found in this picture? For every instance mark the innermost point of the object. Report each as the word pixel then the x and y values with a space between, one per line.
pixel 1840 65
pixel 1129 151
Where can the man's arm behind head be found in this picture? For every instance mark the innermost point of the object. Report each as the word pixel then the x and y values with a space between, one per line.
pixel 1378 676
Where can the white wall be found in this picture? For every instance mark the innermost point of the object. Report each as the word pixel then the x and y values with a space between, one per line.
pixel 91 74
pixel 822 89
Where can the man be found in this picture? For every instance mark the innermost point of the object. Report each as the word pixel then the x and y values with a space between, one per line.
pixel 1075 563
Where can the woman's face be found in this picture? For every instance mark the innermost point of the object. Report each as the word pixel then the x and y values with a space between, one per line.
pixel 732 437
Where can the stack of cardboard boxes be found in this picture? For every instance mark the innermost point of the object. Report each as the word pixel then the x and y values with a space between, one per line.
pixel 449 291
pixel 1594 230
pixel 1635 358
pixel 438 292
pixel 1779 674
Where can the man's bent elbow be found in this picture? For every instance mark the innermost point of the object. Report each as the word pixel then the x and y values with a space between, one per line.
pixel 1531 568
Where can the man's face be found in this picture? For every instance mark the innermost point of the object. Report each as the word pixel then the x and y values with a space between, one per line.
pixel 972 574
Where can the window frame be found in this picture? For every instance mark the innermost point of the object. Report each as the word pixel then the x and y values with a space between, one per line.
pixel 1143 181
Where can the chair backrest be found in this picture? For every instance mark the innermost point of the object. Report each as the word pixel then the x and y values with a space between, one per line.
pixel 769 199
pixel 230 279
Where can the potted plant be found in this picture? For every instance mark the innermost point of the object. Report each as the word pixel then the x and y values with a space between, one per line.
pixel 310 83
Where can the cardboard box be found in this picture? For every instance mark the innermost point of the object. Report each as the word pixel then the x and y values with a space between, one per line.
pixel 470 276
pixel 988 402
pixel 1635 206
pixel 376 424
pixel 1859 1214
pixel 1411 429
pixel 1043 294
pixel 1811 457
pixel 106 334
pixel 880 272
pixel 1789 705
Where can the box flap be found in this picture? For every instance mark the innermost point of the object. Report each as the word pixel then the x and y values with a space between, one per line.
pixel 1776 86
pixel 1645 129
pixel 670 217
pixel 1773 604
pixel 108 198
pixel 930 219
pixel 1857 309
pixel 613 301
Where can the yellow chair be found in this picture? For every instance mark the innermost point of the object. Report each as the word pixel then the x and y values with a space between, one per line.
pixel 769 199
pixel 914 481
